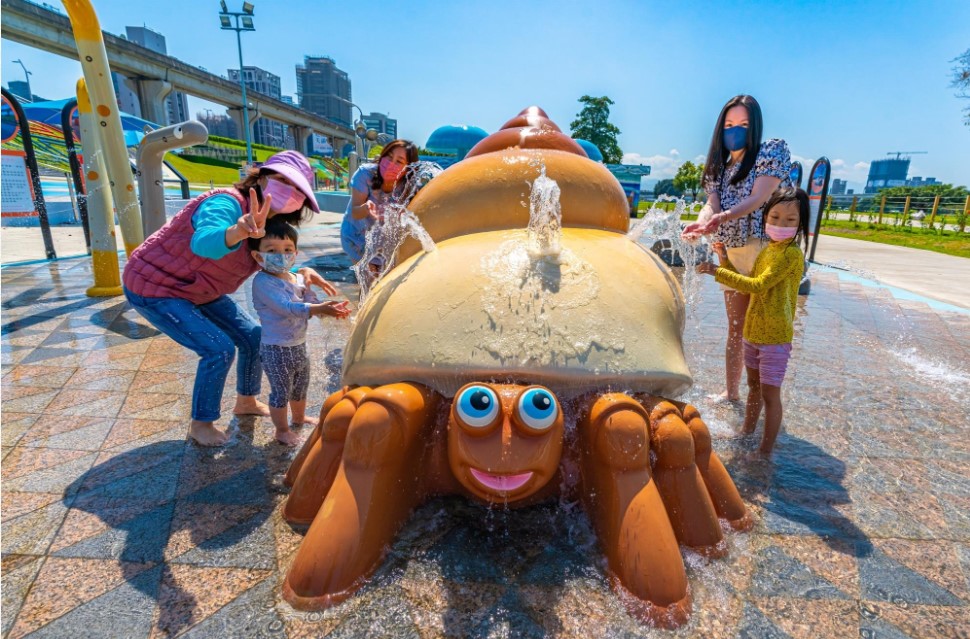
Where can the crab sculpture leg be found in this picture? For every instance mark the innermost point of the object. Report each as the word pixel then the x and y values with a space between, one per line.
pixel 369 496
pixel 643 512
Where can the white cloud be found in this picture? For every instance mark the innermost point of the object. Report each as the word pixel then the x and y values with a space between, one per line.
pixel 674 153
pixel 661 166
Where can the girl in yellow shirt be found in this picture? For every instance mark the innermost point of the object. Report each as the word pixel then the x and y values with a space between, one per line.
pixel 768 325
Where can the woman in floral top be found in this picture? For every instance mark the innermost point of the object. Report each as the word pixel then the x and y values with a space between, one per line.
pixel 740 174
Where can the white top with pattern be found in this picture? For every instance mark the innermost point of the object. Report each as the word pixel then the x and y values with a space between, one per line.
pixel 773 160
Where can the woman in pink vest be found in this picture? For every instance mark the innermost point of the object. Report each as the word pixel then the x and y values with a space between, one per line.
pixel 180 279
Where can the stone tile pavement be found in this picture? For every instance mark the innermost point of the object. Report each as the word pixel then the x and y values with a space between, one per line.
pixel 114 526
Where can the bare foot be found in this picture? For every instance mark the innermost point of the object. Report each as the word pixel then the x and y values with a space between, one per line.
pixel 724 398
pixel 309 421
pixel 249 405
pixel 206 434
pixel 287 437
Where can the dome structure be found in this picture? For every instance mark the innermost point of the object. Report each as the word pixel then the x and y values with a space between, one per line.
pixel 455 140
pixel 591 150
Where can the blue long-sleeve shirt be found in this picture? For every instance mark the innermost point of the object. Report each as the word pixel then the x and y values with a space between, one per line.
pixel 283 308
pixel 210 221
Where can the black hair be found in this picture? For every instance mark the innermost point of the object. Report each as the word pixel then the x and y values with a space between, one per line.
pixel 251 181
pixel 718 154
pixel 276 228
pixel 792 194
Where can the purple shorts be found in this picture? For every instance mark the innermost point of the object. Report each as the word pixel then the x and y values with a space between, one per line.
pixel 770 360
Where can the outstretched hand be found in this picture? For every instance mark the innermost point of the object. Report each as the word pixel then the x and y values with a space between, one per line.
pixel 707 268
pixel 721 251
pixel 313 278
pixel 333 308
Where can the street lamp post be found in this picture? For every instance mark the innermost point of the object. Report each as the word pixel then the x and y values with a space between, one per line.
pixel 243 22
pixel 27 74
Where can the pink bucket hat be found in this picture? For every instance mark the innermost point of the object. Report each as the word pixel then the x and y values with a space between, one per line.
pixel 293 166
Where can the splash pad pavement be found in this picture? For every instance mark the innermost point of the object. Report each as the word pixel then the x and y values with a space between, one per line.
pixel 114 526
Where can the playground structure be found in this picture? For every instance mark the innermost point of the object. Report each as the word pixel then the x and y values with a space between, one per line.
pixel 480 369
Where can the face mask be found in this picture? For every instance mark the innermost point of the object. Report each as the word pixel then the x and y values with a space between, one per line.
pixel 390 170
pixel 781 233
pixel 735 138
pixel 278 262
pixel 286 198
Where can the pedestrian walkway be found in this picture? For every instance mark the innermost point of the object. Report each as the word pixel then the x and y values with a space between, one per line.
pixel 933 275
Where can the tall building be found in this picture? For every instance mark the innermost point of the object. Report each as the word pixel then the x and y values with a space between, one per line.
pixel 381 123
pixel 886 173
pixel 176 104
pixel 324 89
pixel 265 131
pixel 221 125
pixel 838 187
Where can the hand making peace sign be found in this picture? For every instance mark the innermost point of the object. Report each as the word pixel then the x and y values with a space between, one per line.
pixel 253 224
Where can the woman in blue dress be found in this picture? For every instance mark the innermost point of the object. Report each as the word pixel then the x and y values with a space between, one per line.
pixel 371 188
pixel 741 172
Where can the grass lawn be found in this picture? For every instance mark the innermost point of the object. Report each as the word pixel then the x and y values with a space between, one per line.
pixel 950 243
pixel 198 173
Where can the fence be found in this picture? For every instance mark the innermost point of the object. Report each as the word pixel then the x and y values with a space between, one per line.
pixel 896 211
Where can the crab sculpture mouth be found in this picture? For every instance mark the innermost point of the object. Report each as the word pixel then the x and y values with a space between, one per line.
pixel 500 483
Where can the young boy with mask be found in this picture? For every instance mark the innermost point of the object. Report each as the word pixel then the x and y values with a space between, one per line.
pixel 284 303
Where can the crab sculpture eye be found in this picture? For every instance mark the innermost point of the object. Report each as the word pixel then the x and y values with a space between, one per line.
pixel 477 406
pixel 538 409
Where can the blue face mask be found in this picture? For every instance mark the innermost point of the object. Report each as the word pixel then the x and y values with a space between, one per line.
pixel 735 138
pixel 278 262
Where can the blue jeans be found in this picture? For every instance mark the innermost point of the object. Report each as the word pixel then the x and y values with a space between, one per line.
pixel 213 331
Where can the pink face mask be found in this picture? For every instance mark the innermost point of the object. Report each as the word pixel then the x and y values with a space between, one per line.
pixel 390 170
pixel 781 233
pixel 286 198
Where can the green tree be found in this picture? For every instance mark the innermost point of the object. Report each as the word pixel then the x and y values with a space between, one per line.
pixel 961 80
pixel 666 187
pixel 593 124
pixel 688 178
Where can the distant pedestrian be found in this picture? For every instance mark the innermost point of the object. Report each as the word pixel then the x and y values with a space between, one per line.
pixel 769 322
pixel 740 173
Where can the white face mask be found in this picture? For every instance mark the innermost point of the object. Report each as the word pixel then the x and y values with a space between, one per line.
pixel 278 262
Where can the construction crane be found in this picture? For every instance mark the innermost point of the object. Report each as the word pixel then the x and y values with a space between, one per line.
pixel 899 153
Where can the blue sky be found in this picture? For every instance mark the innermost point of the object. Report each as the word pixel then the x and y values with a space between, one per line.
pixel 848 80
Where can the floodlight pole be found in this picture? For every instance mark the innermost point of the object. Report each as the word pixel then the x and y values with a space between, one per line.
pixel 242 85
pixel 242 80
pixel 27 74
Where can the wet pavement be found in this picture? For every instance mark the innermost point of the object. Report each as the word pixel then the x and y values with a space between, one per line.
pixel 114 526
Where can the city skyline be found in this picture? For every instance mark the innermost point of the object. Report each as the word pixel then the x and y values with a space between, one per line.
pixel 668 67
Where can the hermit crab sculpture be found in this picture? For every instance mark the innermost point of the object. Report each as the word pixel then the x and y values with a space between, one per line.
pixel 496 363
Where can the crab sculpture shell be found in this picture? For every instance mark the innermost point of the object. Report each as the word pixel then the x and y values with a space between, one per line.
pixel 604 313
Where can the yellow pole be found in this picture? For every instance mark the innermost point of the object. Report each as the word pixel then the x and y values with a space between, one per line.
pixel 97 75
pixel 101 217
pixel 906 207
pixel 936 206
pixel 855 201
pixel 882 208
